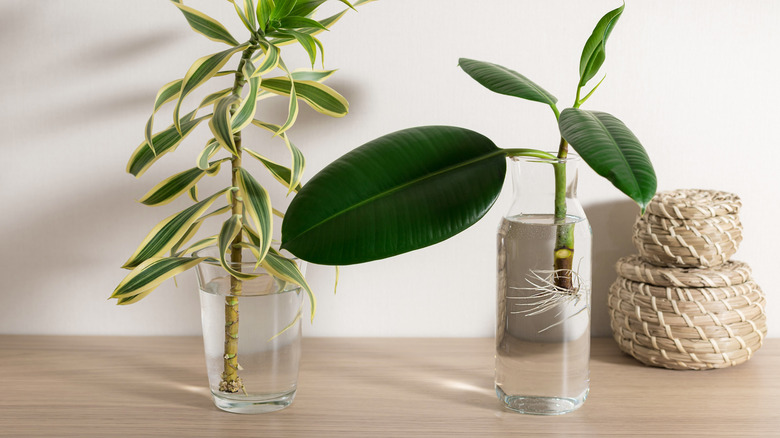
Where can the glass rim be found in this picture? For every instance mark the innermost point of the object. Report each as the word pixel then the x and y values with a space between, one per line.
pixel 571 157
pixel 213 259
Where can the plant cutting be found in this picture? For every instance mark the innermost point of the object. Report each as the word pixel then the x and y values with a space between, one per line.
pixel 419 186
pixel 258 72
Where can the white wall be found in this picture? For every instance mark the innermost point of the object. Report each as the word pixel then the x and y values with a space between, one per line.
pixel 697 82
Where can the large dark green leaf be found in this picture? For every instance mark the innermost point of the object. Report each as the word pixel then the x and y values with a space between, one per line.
pixel 612 150
pixel 502 80
pixel 400 192
pixel 594 52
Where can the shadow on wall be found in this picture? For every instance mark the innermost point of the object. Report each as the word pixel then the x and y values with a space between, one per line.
pixel 612 224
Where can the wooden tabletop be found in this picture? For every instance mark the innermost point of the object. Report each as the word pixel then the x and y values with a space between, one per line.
pixel 358 387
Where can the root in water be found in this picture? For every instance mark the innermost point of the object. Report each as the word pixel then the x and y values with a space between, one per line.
pixel 548 296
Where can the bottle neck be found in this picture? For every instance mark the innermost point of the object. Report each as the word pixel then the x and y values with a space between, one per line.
pixel 534 181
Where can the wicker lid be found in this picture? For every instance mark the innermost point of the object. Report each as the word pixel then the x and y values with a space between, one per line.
pixel 694 204
pixel 728 274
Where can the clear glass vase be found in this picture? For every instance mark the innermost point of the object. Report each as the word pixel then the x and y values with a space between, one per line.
pixel 543 312
pixel 252 361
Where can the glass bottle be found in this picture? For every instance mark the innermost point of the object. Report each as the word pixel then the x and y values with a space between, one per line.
pixel 543 311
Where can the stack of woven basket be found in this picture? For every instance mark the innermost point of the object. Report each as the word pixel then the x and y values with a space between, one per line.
pixel 682 303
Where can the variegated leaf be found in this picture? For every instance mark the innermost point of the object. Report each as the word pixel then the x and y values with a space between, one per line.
pixel 187 237
pixel 201 71
pixel 149 274
pixel 167 93
pixel 220 123
pixel 312 75
pixel 242 16
pixel 281 173
pixel 206 26
pixel 193 192
pixel 164 141
pixel 307 42
pixel 200 244
pixel 176 185
pixel 287 270
pixel 270 56
pixel 257 205
pixel 172 187
pixel 207 153
pixel 246 110
pixel 292 113
pixel 320 97
pixel 229 231
pixel 249 11
pixel 297 159
pixel 165 234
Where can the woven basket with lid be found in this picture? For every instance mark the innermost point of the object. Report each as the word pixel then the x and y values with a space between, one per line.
pixel 689 228
pixel 694 319
pixel 682 303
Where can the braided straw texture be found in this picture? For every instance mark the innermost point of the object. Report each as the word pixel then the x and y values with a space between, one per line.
pixel 688 328
pixel 728 274
pixel 694 204
pixel 694 243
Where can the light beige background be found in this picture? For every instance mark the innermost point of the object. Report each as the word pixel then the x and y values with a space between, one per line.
pixel 696 81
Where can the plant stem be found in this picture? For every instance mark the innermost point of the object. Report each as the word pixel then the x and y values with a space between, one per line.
pixel 564 235
pixel 231 382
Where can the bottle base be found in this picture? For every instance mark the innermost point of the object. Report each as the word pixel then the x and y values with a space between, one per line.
pixel 253 405
pixel 535 405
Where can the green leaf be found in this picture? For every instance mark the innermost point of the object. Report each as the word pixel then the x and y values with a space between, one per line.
pixel 165 141
pixel 288 270
pixel 248 106
pixel 307 42
pixel 242 16
pixel 319 97
pixel 304 8
pixel 229 231
pixel 201 71
pixel 148 275
pixel 611 150
pixel 400 192
pixel 257 204
pixel 264 10
pixel 293 22
pixel 594 52
pixel 346 2
pixel 281 173
pixel 282 9
pixel 502 80
pixel 220 124
pixel 327 23
pixel 206 26
pixel 165 234
pixel 296 156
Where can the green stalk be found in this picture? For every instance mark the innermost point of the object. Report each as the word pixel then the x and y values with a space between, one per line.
pixel 564 234
pixel 231 382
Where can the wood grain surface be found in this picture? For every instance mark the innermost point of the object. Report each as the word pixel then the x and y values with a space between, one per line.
pixel 359 387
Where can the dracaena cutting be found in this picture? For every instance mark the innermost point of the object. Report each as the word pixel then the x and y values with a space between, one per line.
pixel 258 73
pixel 423 185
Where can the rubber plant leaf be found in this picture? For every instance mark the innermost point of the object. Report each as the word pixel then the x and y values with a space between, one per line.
pixel 612 150
pixel 502 80
pixel 594 52
pixel 400 192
